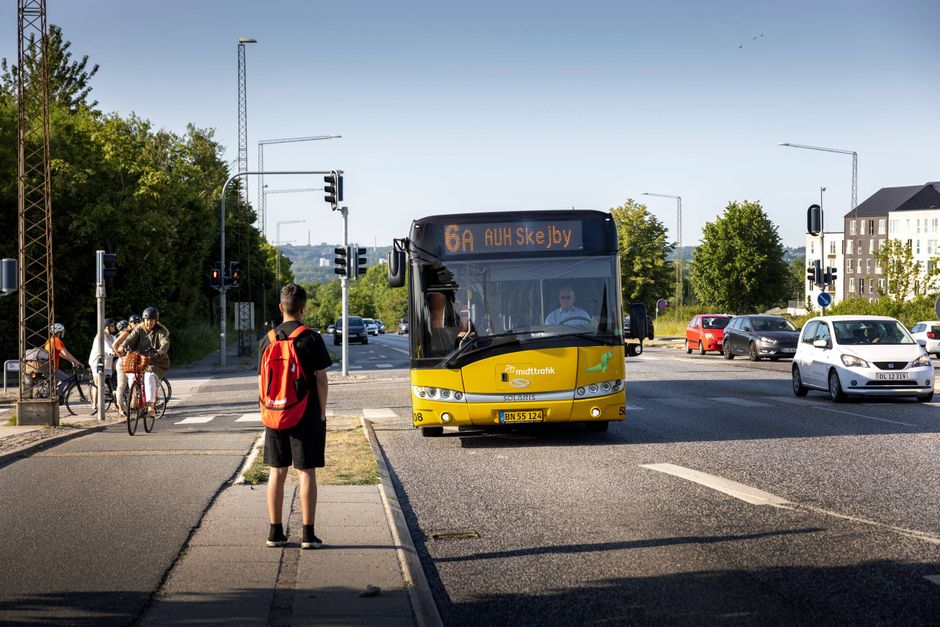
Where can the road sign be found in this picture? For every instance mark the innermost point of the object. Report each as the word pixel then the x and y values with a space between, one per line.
pixel 824 299
pixel 661 303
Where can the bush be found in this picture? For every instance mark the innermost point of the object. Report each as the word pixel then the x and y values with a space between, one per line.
pixel 907 311
pixel 192 342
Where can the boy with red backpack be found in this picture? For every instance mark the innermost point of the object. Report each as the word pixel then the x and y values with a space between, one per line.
pixel 293 389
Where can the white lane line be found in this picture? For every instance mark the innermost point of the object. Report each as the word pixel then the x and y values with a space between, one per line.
pixel 933 579
pixel 252 417
pixel 731 488
pixel 351 367
pixel 759 497
pixel 195 420
pixel 810 405
pixel 737 401
pixel 400 350
pixel 681 403
pixel 384 366
pixel 633 408
pixel 378 413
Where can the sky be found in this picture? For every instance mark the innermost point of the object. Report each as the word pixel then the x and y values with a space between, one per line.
pixel 455 107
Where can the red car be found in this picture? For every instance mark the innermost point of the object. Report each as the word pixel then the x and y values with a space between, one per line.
pixel 706 332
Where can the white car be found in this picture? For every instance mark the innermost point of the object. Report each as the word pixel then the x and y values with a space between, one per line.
pixel 371 327
pixel 861 356
pixel 927 334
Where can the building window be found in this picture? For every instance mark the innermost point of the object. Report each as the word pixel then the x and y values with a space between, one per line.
pixel 859 266
pixel 871 247
pixel 871 286
pixel 851 227
pixel 861 286
pixel 848 246
pixel 871 227
pixel 868 266
pixel 894 227
pixel 918 225
pixel 881 285
pixel 881 226
pixel 832 248
pixel 931 246
pixel 852 287
pixel 933 225
pixel 917 247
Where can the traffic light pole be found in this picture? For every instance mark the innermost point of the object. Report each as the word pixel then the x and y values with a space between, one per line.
pixel 100 294
pixel 344 282
pixel 222 302
pixel 822 242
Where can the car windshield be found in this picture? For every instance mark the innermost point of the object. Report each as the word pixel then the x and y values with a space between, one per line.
pixel 715 322
pixel 863 332
pixel 772 324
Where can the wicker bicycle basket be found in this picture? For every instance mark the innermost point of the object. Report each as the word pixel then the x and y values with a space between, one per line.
pixel 134 363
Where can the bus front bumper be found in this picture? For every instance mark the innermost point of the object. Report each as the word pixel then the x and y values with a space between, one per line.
pixel 426 413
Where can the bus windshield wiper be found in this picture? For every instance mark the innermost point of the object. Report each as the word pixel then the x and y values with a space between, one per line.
pixel 473 343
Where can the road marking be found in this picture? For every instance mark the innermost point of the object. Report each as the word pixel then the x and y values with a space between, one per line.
pixel 759 497
pixel 933 579
pixel 681 403
pixel 252 417
pixel 370 413
pixel 195 420
pixel 632 408
pixel 731 488
pixel 737 401
pixel 384 366
pixel 400 350
pixel 806 404
pixel 351 367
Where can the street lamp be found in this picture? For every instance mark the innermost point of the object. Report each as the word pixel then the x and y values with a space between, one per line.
pixel 243 110
pixel 842 152
pixel 277 271
pixel 261 144
pixel 679 260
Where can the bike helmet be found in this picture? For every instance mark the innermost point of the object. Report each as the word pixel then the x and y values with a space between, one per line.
pixel 109 322
pixel 122 325
pixel 135 319
pixel 151 312
pixel 57 328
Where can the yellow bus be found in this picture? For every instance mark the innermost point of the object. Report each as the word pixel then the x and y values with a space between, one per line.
pixel 515 317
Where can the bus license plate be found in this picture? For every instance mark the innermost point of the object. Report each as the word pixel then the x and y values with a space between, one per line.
pixel 890 376
pixel 521 415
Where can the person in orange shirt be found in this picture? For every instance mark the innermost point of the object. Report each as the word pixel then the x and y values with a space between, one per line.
pixel 56 349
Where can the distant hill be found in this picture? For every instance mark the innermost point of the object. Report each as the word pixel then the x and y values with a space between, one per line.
pixel 306 261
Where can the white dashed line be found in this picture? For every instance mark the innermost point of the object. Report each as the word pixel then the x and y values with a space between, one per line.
pixel 933 579
pixel 195 420
pixel 378 413
pixel 737 401
pixel 384 366
pixel 252 417
pixel 810 405
pixel 633 408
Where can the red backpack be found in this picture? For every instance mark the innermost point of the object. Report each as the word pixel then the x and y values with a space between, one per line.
pixel 282 383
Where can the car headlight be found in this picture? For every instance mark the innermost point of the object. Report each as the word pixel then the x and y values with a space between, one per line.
pixel 709 336
pixel 923 360
pixel 852 360
pixel 768 340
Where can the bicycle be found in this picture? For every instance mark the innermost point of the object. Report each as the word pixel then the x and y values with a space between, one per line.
pixel 135 399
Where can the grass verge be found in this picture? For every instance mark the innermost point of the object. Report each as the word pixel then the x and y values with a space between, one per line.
pixel 11 421
pixel 349 458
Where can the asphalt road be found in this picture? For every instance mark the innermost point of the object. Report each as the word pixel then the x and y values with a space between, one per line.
pixel 557 525
pixel 383 352
pixel 90 527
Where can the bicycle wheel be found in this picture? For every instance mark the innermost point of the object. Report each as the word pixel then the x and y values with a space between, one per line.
pixel 133 401
pixel 108 396
pixel 159 406
pixel 164 392
pixel 80 398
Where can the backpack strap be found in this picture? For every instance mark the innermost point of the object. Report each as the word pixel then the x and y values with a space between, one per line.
pixel 272 337
pixel 297 331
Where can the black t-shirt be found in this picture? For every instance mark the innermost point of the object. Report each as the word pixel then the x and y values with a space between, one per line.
pixel 312 354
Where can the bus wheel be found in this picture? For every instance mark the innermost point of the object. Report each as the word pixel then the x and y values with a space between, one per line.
pixel 596 427
pixel 432 432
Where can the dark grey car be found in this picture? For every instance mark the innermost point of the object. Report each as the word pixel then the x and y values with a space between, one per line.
pixel 357 331
pixel 759 337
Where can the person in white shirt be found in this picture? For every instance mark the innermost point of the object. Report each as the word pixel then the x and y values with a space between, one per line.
pixel 568 314
pixel 110 330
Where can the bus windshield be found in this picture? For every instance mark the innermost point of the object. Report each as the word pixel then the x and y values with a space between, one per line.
pixel 519 298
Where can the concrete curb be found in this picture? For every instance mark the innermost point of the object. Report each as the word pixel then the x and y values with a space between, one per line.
pixel 422 601
pixel 25 451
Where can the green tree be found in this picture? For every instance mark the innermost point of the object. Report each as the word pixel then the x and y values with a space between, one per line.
pixel 904 276
pixel 796 279
pixel 739 265
pixel 68 80
pixel 646 275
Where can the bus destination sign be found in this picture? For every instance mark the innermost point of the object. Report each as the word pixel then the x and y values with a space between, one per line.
pixel 508 237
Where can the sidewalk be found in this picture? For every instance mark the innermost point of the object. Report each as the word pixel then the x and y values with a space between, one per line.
pixel 227 575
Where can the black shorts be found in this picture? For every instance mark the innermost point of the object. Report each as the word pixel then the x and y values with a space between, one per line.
pixel 302 446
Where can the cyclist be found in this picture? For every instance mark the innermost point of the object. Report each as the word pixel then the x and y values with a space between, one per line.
pixel 153 339
pixel 56 349
pixel 109 331
pixel 121 383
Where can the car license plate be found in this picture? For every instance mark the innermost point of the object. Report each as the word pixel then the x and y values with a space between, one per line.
pixel 891 376
pixel 787 350
pixel 521 415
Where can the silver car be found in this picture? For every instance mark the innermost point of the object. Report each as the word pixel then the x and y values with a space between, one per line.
pixel 927 334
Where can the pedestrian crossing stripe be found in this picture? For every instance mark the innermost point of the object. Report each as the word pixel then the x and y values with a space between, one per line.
pixel 195 420
pixel 370 413
pixel 252 417
pixel 384 366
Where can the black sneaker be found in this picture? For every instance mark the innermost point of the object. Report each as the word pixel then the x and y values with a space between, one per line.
pixel 276 538
pixel 310 541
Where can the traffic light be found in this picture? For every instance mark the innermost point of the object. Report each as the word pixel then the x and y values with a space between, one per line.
pixel 105 266
pixel 333 188
pixel 814 273
pixel 814 220
pixel 358 261
pixel 234 273
pixel 340 262
pixel 215 278
pixel 831 275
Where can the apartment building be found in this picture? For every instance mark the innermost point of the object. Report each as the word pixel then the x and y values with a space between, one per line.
pixel 833 246
pixel 867 227
pixel 920 230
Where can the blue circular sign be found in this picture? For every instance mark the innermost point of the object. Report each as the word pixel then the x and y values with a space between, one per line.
pixel 661 303
pixel 824 299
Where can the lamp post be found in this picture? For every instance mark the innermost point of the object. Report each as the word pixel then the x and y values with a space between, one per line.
pixel 243 109
pixel 261 144
pixel 841 152
pixel 679 260
pixel 277 271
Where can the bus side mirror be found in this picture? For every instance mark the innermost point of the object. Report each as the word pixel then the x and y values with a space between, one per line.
pixel 396 267
pixel 638 328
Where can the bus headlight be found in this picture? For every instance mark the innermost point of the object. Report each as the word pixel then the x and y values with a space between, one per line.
pixel 438 394
pixel 599 389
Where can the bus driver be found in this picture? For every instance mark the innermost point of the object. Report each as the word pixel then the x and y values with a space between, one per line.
pixel 568 314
